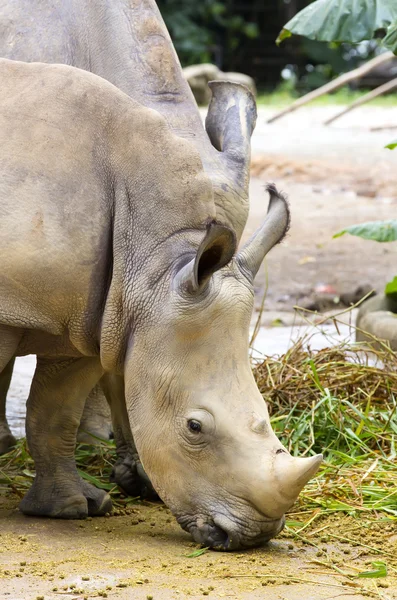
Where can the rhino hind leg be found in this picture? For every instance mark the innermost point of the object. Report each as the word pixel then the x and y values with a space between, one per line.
pixel 96 419
pixel 7 440
pixel 130 475
pixel 128 471
pixel 54 410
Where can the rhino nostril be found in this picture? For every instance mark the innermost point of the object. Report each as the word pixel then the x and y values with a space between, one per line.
pixel 212 536
pixel 218 538
pixel 281 451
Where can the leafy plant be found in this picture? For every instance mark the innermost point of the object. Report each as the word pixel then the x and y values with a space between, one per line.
pixel 345 21
pixel 352 21
pixel 378 231
pixel 202 31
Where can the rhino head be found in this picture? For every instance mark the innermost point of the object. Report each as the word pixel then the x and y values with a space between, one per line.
pixel 200 424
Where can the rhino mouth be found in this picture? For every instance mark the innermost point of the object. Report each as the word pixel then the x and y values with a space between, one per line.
pixel 222 534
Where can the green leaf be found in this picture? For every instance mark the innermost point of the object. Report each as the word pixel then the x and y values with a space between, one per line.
pixel 283 35
pixel 379 570
pixel 390 39
pixel 197 553
pixel 392 145
pixel 344 21
pixel 293 524
pixel 96 481
pixel 379 231
pixel 391 288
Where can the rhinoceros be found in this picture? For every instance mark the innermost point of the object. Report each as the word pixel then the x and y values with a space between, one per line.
pixel 377 320
pixel 117 263
pixel 126 42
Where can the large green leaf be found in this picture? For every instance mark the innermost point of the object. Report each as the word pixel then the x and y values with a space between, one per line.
pixel 390 40
pixel 379 231
pixel 345 21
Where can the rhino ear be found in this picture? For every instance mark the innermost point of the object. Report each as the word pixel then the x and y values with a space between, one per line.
pixel 215 251
pixel 270 233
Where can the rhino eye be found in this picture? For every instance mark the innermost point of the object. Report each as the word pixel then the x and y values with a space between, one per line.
pixel 194 426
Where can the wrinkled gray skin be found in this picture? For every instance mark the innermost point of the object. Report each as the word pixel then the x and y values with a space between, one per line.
pixel 125 271
pixel 96 419
pixel 377 318
pixel 126 42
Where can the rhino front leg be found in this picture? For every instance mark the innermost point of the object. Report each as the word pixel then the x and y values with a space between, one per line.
pixel 54 408
pixel 128 472
pixel 7 440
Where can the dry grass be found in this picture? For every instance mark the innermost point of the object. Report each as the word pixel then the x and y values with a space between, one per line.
pixel 335 401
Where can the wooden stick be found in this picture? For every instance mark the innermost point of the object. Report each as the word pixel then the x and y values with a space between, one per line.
pixel 382 89
pixel 383 127
pixel 334 84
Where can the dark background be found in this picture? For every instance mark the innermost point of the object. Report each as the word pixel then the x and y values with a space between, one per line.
pixel 239 35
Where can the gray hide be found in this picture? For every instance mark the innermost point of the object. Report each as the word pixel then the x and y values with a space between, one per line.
pixel 126 42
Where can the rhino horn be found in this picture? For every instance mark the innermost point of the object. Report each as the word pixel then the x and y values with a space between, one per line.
pixel 291 474
pixel 270 233
pixel 230 122
pixel 299 471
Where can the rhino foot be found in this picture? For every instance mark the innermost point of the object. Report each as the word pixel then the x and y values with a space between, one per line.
pixel 7 441
pixel 129 474
pixel 65 501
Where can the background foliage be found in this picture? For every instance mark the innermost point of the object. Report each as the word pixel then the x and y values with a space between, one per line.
pixel 205 31
pixel 346 21
pixel 240 36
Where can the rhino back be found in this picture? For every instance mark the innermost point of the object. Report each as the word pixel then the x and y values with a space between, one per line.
pixel 91 182
pixel 127 43
pixel 123 41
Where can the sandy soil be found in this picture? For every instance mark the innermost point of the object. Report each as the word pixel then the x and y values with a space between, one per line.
pixel 142 554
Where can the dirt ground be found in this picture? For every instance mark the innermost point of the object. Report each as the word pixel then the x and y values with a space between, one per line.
pixel 333 179
pixel 144 554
